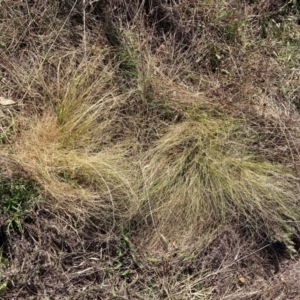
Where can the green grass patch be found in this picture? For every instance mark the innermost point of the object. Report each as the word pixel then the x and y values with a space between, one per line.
pixel 17 197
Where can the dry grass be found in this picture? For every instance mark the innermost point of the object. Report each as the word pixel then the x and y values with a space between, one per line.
pixel 67 148
pixel 200 175
pixel 88 185
pixel 170 121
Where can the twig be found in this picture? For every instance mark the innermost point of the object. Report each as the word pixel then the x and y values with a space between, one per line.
pixel 84 30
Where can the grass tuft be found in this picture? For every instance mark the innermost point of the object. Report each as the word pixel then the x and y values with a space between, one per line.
pixel 200 176
pixel 69 151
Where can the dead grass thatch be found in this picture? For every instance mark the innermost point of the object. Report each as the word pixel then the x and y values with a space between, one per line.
pixel 169 121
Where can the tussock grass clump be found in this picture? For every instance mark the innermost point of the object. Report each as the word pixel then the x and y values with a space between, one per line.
pixel 200 176
pixel 88 185
pixel 68 148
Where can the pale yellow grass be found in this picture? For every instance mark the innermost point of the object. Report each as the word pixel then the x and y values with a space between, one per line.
pixel 82 183
pixel 201 175
pixel 67 148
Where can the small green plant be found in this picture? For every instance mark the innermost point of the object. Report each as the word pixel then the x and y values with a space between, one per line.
pixel 3 286
pixel 125 256
pixel 16 195
pixel 4 263
pixel 127 63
